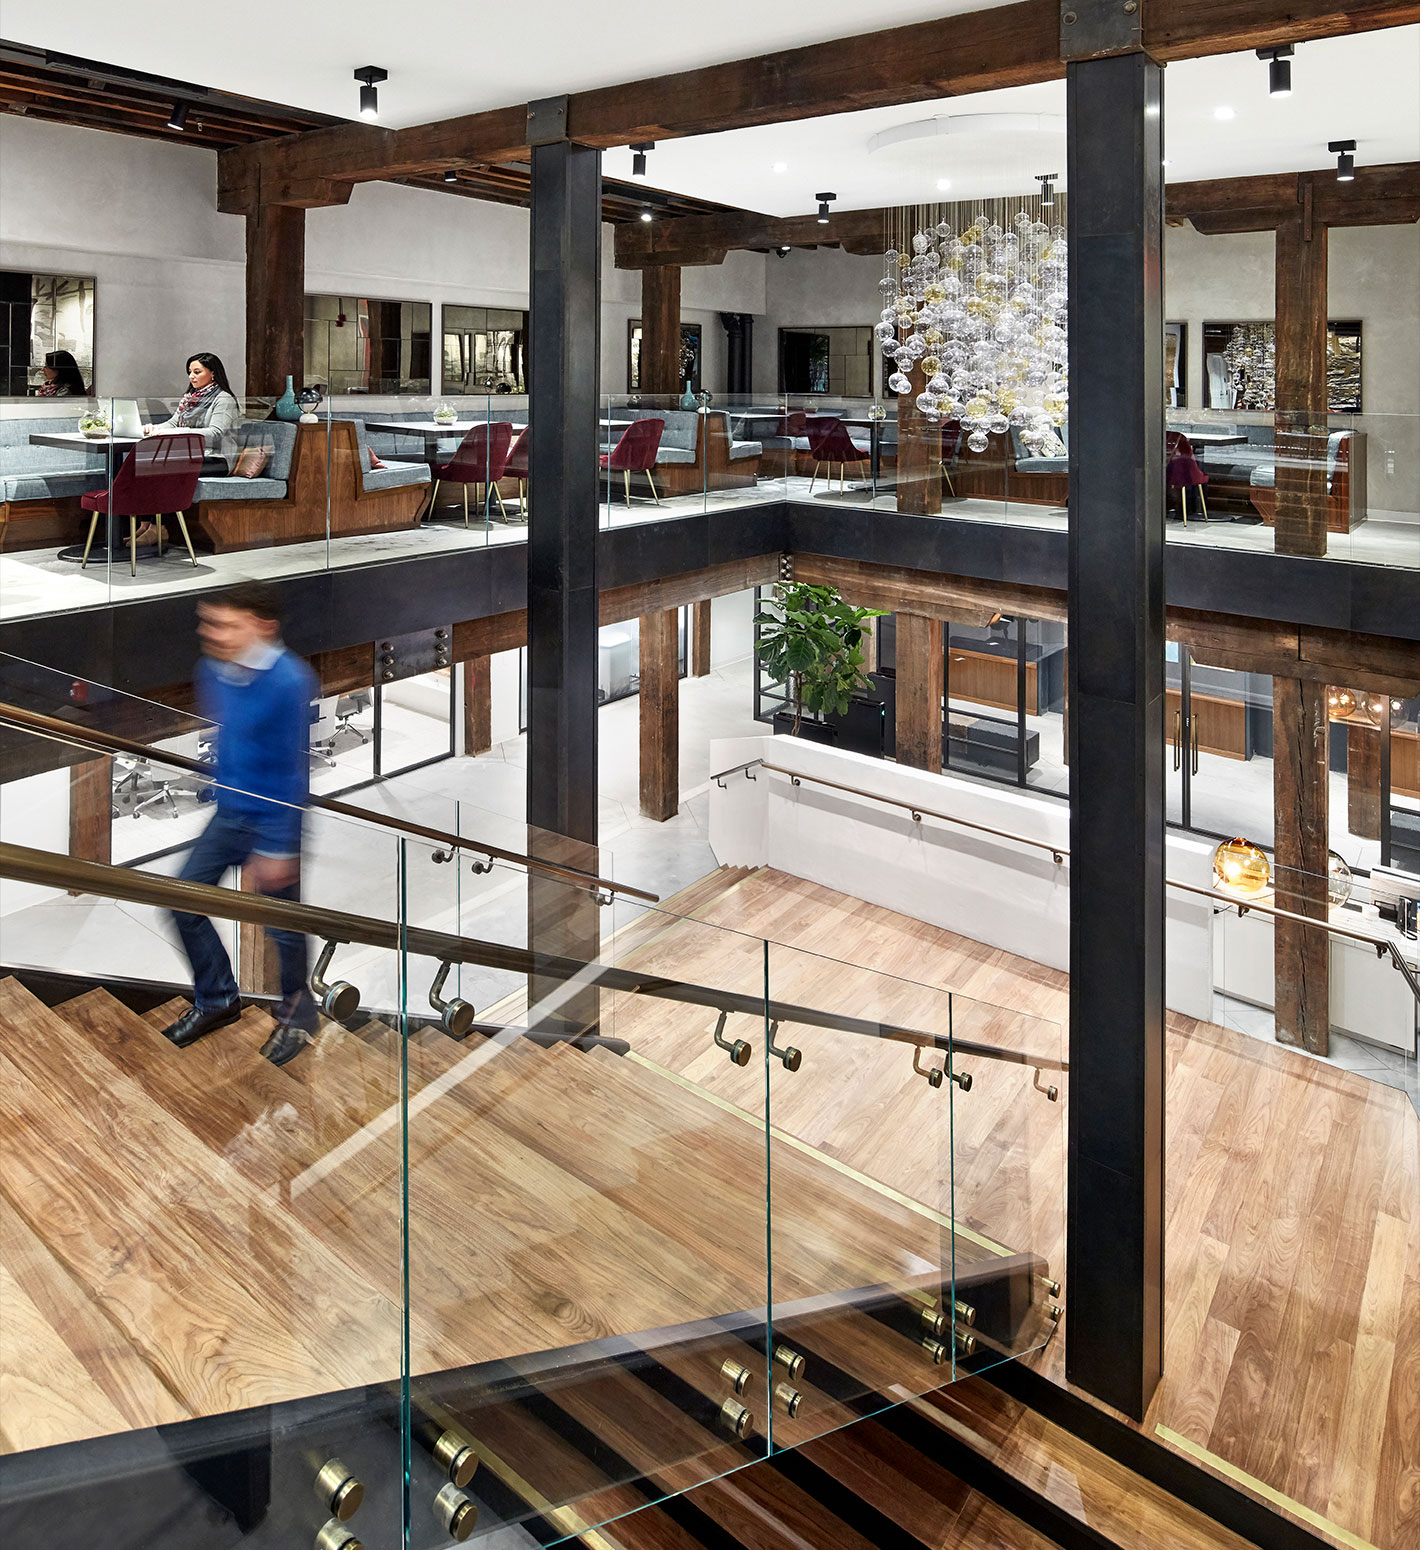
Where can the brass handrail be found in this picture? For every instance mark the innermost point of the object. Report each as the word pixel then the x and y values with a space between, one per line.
pixel 49 870
pixel 1061 854
pixel 112 742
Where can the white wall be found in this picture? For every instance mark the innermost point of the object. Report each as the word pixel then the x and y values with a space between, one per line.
pixel 141 216
pixel 34 811
pixel 813 288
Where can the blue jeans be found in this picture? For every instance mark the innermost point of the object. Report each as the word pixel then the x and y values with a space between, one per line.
pixel 227 842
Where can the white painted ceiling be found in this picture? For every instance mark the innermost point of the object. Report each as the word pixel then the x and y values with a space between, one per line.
pixel 447 57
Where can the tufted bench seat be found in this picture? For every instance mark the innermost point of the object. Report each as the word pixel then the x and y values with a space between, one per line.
pixel 40 486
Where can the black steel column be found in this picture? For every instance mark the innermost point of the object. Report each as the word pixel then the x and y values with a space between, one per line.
pixel 562 539
pixel 1115 1249
pixel 739 347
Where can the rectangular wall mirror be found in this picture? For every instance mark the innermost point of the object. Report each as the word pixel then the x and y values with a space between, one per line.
pixel 357 344
pixel 838 361
pixel 41 314
pixel 1176 365
pixel 485 350
pixel 690 357
pixel 1240 366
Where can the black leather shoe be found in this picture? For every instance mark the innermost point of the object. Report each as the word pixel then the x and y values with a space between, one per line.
pixel 193 1024
pixel 286 1043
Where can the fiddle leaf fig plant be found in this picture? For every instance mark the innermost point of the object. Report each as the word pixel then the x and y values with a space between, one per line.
pixel 810 641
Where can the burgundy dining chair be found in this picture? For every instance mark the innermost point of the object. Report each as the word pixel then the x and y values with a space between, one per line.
pixel 636 453
pixel 159 476
pixel 1182 472
pixel 517 467
pixel 481 458
pixel 829 442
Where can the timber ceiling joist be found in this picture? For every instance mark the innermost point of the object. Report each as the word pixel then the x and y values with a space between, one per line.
pixel 1009 45
pixel 1379 196
pixel 61 89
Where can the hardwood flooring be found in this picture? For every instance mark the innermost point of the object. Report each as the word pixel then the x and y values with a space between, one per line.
pixel 183 1233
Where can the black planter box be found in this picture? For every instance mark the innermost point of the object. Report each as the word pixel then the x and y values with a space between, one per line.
pixel 810 731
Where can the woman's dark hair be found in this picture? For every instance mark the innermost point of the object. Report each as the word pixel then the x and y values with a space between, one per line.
pixel 66 371
pixel 214 364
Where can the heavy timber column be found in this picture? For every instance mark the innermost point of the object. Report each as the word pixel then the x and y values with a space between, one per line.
pixel 1301 384
pixel 1114 1269
pixel 920 681
pixel 700 639
pixel 477 705
pixel 660 714
pixel 919 452
pixel 660 329
pixel 1300 792
pixel 276 298
pixel 562 532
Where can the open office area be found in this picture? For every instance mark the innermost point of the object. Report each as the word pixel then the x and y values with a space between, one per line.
pixel 710 777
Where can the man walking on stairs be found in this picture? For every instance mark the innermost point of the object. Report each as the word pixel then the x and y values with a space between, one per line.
pixel 259 694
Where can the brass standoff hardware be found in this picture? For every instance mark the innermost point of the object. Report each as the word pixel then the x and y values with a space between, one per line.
pixel 457 1513
pixel 335 1536
pixel 456 1458
pixel 788 1399
pixel 934 1322
pixel 739 1050
pixel 964 1312
pixel 935 1349
pixel 737 1374
pixel 337 1001
pixel 736 1420
pixel 456 1015
pixel 965 1341
pixel 1051 1288
pixel 1052 1091
pixel 1054 1310
pixel 793 1058
pixel 338 1491
pixel 790 1361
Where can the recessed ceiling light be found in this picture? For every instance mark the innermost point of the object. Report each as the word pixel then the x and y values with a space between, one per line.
pixel 780 166
pixel 943 184
pixel 1223 113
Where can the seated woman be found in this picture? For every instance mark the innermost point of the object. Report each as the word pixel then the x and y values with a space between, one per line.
pixel 62 377
pixel 209 408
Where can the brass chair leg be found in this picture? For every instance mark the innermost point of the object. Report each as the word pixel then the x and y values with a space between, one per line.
pixel 626 482
pixel 158 529
pixel 812 477
pixel 1203 502
pixel 652 483
pixel 186 536
pixel 465 505
pixel 133 546
pixel 434 499
pixel 501 507
pixel 89 541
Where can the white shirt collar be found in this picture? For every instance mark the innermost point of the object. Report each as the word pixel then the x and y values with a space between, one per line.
pixel 259 656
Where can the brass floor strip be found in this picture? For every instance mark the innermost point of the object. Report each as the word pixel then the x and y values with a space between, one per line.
pixel 1260 1488
pixel 563 1519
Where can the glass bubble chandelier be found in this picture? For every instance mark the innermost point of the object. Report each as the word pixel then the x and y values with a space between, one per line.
pixel 981 305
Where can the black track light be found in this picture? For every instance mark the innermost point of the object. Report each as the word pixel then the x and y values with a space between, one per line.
pixel 638 157
pixel 823 204
pixel 450 176
pixel 783 250
pixel 1279 70
pixel 1047 189
pixel 177 119
pixel 1345 151
pixel 370 76
pixel 647 213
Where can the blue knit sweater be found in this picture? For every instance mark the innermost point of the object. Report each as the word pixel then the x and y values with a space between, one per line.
pixel 263 743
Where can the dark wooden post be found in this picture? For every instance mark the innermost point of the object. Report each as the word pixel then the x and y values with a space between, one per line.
pixel 91 810
pixel 660 329
pixel 1301 384
pixel 919 452
pixel 477 705
pixel 1115 1248
pixel 919 692
pixel 276 298
pixel 700 639
pixel 562 539
pixel 660 714
pixel 1363 782
pixel 1301 954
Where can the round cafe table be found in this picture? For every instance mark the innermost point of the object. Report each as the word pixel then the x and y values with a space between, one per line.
pixel 107 547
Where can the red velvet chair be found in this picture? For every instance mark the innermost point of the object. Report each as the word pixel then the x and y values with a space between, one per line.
pixel 829 442
pixel 480 458
pixel 636 453
pixel 159 476
pixel 1182 472
pixel 517 467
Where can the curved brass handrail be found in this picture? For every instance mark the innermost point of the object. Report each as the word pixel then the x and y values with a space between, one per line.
pixel 48 870
pixel 1061 854
pixel 111 742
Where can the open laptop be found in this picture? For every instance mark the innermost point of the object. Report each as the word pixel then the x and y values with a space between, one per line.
pixel 126 419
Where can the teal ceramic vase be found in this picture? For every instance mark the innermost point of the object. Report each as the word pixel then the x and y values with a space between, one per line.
pixel 286 406
pixel 687 398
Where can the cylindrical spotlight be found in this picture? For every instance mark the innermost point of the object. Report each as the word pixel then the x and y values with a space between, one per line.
pixel 646 213
pixel 177 119
pixel 638 164
pixel 1279 77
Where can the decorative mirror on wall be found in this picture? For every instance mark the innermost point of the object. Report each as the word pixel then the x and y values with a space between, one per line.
pixel 42 315
pixel 1176 365
pixel 837 361
pixel 1240 367
pixel 690 356
pixel 485 350
pixel 356 344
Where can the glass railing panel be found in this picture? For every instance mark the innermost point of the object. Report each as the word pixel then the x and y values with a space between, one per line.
pixel 654 452
pixel 202 1268
pixel 587 1239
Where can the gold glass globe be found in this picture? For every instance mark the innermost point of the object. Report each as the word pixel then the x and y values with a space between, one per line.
pixel 1341 703
pixel 1338 880
pixel 1240 867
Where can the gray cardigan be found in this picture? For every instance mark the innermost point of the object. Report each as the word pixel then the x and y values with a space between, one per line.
pixel 216 422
